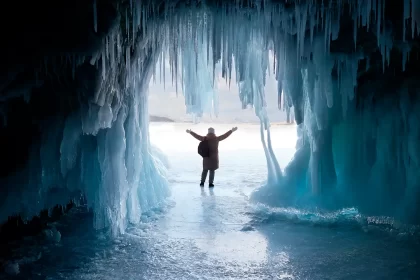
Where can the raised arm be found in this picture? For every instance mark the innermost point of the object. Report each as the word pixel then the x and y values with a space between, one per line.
pixel 227 134
pixel 195 135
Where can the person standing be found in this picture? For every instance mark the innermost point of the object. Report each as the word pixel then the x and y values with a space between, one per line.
pixel 211 163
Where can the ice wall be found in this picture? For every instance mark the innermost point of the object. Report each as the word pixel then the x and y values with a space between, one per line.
pixel 98 151
pixel 326 53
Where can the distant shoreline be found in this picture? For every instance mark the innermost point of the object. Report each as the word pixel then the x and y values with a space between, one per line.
pixel 282 123
pixel 158 119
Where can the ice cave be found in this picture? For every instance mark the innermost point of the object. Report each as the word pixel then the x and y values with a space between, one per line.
pixel 92 189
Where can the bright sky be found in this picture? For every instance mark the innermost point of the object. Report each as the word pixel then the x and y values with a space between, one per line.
pixel 164 102
pixel 283 136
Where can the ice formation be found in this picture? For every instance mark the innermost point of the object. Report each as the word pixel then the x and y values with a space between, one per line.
pixel 317 68
pixel 102 149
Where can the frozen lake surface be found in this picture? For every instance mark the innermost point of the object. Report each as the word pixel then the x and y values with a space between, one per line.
pixel 219 234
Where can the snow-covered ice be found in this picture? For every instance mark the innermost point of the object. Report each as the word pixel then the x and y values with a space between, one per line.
pixel 219 234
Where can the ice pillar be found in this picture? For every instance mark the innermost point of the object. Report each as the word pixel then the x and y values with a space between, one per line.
pixel 322 170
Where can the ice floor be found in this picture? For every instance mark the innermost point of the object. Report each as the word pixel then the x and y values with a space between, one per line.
pixel 219 234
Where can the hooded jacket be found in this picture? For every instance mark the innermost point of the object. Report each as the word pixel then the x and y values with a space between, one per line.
pixel 212 162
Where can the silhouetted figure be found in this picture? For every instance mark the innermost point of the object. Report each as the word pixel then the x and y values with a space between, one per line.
pixel 211 162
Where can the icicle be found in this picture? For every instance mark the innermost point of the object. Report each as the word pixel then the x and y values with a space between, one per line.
pixel 363 13
pixel 128 64
pixel 112 51
pixel 118 47
pixel 139 9
pixel 303 30
pixel 312 22
pixel 406 16
pixel 329 29
pixel 95 17
pixel 107 46
pixel 414 20
pixel 164 68
pixel 127 31
pixel 383 10
pixel 143 26
pixel 134 20
pixel 375 8
pixel 298 29
pixel 103 65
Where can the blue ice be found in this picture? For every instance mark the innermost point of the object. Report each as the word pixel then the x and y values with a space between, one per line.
pixel 219 234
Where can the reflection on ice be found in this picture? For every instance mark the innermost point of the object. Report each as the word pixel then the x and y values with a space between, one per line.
pixel 242 247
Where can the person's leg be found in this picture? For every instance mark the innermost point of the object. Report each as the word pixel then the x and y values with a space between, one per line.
pixel 203 177
pixel 211 179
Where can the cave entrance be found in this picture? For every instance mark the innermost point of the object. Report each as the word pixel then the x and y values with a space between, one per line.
pixel 75 120
pixel 242 158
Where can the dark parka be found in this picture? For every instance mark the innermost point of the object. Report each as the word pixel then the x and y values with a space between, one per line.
pixel 212 162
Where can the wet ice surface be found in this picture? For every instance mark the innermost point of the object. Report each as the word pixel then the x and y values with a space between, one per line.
pixel 219 234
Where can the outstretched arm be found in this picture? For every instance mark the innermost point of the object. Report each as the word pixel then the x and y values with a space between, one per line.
pixel 195 135
pixel 227 134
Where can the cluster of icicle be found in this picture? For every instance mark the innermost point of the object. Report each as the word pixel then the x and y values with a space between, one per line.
pixel 319 84
pixel 101 151
pixel 121 175
pixel 198 38
pixel 116 169
pixel 304 65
